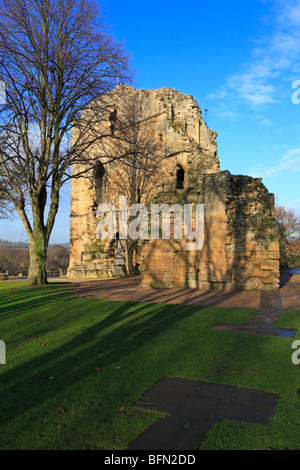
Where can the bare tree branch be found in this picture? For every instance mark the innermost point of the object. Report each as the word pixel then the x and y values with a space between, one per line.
pixel 57 60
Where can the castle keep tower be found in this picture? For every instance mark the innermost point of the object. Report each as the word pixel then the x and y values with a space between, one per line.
pixel 164 153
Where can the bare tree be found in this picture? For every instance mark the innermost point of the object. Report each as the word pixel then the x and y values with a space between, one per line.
pixel 289 226
pixel 290 221
pixel 6 207
pixel 139 175
pixel 57 59
pixel 139 150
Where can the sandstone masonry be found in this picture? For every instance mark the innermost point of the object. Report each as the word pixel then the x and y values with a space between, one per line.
pixel 241 238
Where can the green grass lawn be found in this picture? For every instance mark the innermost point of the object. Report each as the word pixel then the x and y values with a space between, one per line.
pixel 75 367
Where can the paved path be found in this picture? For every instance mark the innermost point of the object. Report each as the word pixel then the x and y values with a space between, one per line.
pixel 290 291
pixel 194 406
pixel 128 289
pixel 263 322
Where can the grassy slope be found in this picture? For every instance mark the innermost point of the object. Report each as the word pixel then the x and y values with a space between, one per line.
pixel 75 367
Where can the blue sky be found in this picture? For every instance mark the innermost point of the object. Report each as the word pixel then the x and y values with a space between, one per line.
pixel 239 59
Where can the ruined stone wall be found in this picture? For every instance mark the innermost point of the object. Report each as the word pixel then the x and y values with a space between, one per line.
pixel 176 125
pixel 241 240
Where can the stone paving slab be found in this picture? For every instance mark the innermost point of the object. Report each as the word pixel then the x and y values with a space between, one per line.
pixel 263 322
pixel 198 408
pixel 241 413
pixel 225 393
pixel 256 398
pixel 255 329
pixel 170 434
pixel 195 409
pixel 163 396
pixel 270 305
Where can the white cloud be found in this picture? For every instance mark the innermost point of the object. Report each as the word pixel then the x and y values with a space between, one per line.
pixel 227 114
pixel 274 58
pixel 219 94
pixel 289 163
pixel 251 85
pixel 289 12
pixel 266 122
pixel 295 205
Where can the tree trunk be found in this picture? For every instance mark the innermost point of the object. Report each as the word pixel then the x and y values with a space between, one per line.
pixel 130 268
pixel 38 254
pixel 130 245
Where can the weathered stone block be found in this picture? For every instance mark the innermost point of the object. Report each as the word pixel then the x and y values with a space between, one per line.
pixel 274 255
pixel 270 265
pixel 273 246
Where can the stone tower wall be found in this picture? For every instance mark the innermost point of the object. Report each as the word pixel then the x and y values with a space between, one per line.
pixel 241 240
pixel 183 139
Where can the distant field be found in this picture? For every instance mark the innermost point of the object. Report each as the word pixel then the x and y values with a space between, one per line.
pixel 9 244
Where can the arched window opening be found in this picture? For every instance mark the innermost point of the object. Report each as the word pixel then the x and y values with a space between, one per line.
pixel 180 177
pixel 99 183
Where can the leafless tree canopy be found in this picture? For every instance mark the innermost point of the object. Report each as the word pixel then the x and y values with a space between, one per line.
pixel 140 160
pixel 56 58
pixel 139 154
pixel 290 221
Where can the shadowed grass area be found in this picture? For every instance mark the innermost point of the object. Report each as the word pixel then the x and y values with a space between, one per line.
pixel 75 367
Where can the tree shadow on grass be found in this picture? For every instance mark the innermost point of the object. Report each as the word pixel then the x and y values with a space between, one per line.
pixel 113 355
pixel 109 339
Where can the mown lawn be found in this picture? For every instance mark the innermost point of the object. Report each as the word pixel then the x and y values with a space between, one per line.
pixel 75 367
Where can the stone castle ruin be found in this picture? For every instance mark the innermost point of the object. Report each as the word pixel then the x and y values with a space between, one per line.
pixel 171 158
